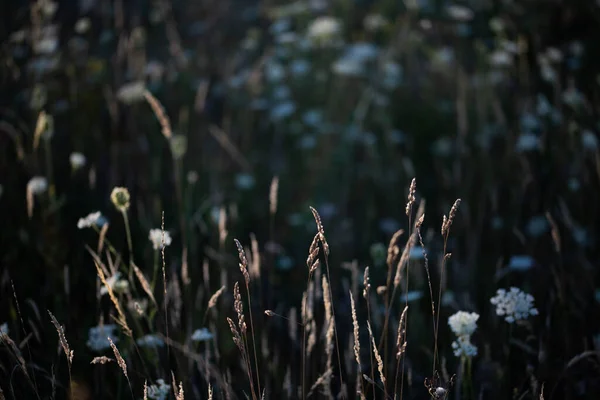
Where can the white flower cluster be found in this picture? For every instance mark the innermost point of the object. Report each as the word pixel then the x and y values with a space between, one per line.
pixel 156 237
pixel 116 284
pixel 463 324
pixel 92 219
pixel 37 185
pixel 514 305
pixel 98 337
pixel 150 341
pixel 201 335
pixel 324 29
pixel 77 160
pixel 463 347
pixel 159 391
pixel 4 328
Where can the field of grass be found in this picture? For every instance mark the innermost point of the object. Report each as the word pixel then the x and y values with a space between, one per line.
pixel 300 200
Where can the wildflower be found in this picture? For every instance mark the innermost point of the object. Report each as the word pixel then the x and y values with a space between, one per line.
pixel 138 306
pixel 82 25
pixel 120 198
pixel 520 263
pixel 160 391
pixel 77 160
pixel 192 177
pixel 463 347
pixel 98 337
pixel 589 140
pixel 116 284
pixel 150 341
pixel 92 219
pixel 374 22
pixel 463 323
pixel 157 238
pixel 501 58
pixel 4 328
pixel 459 13
pixel 527 142
pixel 514 305
pixel 324 29
pixel 201 335
pixel 131 92
pixel 37 185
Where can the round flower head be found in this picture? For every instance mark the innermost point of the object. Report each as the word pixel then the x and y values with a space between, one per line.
pixel 120 198
pixel 178 146
pixel 92 219
pixel 37 185
pixel 77 160
pixel 463 323
pixel 157 238
pixel 513 305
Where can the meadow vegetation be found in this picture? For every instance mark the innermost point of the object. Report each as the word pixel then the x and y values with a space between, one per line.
pixel 294 200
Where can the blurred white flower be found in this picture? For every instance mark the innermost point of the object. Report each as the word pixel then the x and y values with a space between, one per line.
pixel 202 335
pixel 589 140
pixel 324 29
pixel 131 92
pixel 154 70
pixel 520 263
pixel 116 284
pixel 513 305
pixel 77 160
pixel 510 46
pixel 374 22
pixel 501 58
pixel 463 347
pixel 554 55
pixel 98 337
pixel 159 391
pixel 274 72
pixel 463 323
pixel 496 24
pixel 37 185
pixel 244 181
pixel 92 219
pixel 459 13
pixel 527 142
pixel 46 45
pixel 150 341
pixel 4 328
pixel 156 237
pixel 572 97
pixel 82 25
pixel 49 8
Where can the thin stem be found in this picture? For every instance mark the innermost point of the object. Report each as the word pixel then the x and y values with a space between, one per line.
pixel 337 345
pixel 129 244
pixel 437 323
pixel 253 340
pixel 304 323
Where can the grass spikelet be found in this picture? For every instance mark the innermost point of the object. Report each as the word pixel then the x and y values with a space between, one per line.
pixel 238 306
pixel 121 320
pixel 401 336
pixel 255 262
pixel 356 333
pixel 243 261
pixel 222 226
pixel 377 355
pixel 62 339
pixel 322 380
pixel 118 357
pixel 101 360
pixel 447 222
pixel 210 392
pixel 213 299
pixel 145 390
pixel 179 394
pixel 273 191
pixel 144 283
pixel 160 114
pixel 320 231
pixel 411 196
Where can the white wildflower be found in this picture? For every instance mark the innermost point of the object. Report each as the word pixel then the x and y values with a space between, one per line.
pixel 131 92
pixel 156 237
pixel 49 8
pixel 82 25
pixel 324 29
pixel 463 323
pixel 463 347
pixel 459 13
pixel 37 185
pixel 201 335
pixel 4 328
pixel 150 341
pixel 513 305
pixel 501 58
pixel 47 45
pixel 554 55
pixel 98 337
pixel 159 391
pixel 115 283
pixel 374 22
pixel 527 142
pixel 589 140
pixel 77 160
pixel 92 219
